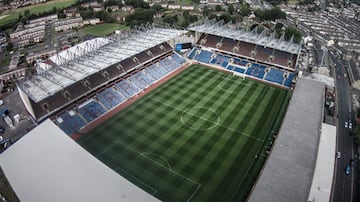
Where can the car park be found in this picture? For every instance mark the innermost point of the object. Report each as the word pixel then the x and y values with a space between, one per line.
pixel 347 169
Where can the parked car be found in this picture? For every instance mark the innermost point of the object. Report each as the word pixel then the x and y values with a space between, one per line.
pixel 2 130
pixel 350 125
pixel 338 154
pixel 346 124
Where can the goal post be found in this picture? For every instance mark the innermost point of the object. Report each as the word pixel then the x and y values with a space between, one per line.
pixel 242 75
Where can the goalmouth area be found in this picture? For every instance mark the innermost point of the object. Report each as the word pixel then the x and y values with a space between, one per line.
pixel 201 136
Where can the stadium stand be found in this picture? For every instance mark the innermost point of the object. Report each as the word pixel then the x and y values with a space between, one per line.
pixel 241 62
pixel 127 88
pixel 178 59
pixel 256 70
pixel 221 60
pixel 236 69
pixel 204 56
pixel 76 73
pixel 159 69
pixel 70 122
pixel 192 53
pixel 250 68
pixel 262 54
pixel 211 41
pixel 228 44
pixel 281 58
pixel 153 73
pixel 91 110
pixel 275 75
pixel 245 49
pixel 289 79
pixel 110 98
pixel 141 80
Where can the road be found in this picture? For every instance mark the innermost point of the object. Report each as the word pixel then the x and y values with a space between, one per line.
pixel 345 189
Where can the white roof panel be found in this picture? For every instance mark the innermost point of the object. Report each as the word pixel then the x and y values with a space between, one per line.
pixel 218 29
pixel 47 165
pixel 92 56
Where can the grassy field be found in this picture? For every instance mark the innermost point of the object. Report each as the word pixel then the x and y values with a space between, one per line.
pixel 12 15
pixel 102 29
pixel 201 136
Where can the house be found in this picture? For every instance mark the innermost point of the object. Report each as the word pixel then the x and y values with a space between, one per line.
pixel 98 8
pixel 92 21
pixel 112 8
pixel 128 8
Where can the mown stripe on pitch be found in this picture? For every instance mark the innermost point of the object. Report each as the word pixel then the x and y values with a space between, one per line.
pixel 236 111
pixel 261 124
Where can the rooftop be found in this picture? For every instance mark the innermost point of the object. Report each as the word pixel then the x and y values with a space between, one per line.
pixel 92 56
pixel 229 31
pixel 45 166
pixel 289 170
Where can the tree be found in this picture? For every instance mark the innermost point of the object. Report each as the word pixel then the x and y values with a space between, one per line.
pixel 157 7
pixel 27 12
pixel 272 14
pixel 245 10
pixel 226 17
pixel 111 3
pixel 170 19
pixel 218 8
pixel 231 9
pixel 140 16
pixel 206 11
pixel 292 31
pixel 137 3
pixel 10 46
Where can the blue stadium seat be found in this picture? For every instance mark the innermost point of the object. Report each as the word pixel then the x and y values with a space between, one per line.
pixel 192 53
pixel 91 110
pixel 141 80
pixel 241 62
pixel 288 80
pixel 159 69
pixel 153 73
pixel 221 60
pixel 239 70
pixel 178 58
pixel 256 70
pixel 204 56
pixel 71 122
pixel 127 88
pixel 275 75
pixel 169 64
pixel 110 98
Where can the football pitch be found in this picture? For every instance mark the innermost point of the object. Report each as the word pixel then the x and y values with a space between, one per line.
pixel 201 136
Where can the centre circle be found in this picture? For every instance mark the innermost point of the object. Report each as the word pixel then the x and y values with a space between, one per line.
pixel 200 118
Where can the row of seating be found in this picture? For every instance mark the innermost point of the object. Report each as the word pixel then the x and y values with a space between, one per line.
pixel 244 66
pixel 221 60
pixel 79 116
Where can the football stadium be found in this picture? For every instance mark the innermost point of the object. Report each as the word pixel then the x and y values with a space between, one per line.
pixel 194 125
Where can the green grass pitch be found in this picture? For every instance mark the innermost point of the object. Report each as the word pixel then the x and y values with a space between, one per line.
pixel 194 138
